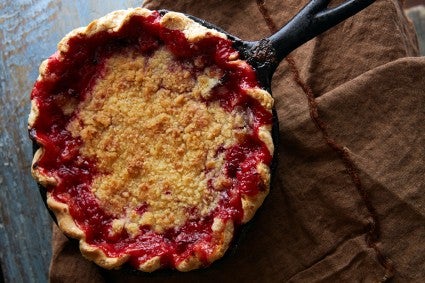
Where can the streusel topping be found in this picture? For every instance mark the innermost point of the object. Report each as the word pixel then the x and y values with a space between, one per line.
pixel 156 141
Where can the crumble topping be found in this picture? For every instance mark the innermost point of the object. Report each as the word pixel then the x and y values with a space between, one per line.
pixel 156 140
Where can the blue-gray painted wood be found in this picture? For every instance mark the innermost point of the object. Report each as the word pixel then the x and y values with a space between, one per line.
pixel 417 15
pixel 29 32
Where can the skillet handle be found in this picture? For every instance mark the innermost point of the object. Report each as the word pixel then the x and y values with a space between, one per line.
pixel 314 19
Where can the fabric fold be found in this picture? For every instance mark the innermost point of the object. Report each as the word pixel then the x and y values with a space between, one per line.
pixel 314 225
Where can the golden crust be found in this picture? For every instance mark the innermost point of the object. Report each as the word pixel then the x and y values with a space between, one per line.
pixel 100 258
pixel 151 264
pixel 193 31
pixel 264 134
pixel 222 231
pixel 111 22
pixel 261 96
pixel 65 220
pixel 41 178
pixel 223 234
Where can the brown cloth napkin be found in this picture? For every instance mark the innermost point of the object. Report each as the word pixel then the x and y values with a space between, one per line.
pixel 348 200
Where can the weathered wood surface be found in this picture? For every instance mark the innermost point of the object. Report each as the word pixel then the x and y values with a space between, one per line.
pixel 29 32
pixel 417 15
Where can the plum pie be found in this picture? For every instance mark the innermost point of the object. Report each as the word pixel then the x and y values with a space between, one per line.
pixel 154 140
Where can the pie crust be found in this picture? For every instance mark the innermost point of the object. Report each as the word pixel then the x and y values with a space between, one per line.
pixel 154 140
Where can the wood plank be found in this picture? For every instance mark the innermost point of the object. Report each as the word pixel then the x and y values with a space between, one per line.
pixel 29 33
pixel 417 15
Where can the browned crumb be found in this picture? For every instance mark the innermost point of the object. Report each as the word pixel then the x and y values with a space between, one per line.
pixel 153 138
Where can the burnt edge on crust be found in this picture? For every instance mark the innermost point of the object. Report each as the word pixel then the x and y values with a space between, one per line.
pixel 222 232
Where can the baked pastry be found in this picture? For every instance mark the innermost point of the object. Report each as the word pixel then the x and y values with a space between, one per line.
pixel 154 140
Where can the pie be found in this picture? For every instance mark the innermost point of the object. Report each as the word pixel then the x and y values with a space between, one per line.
pixel 154 140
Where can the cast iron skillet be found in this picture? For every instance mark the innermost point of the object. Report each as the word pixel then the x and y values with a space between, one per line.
pixel 264 56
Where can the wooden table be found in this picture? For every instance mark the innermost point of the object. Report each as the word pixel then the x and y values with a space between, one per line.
pixel 29 32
